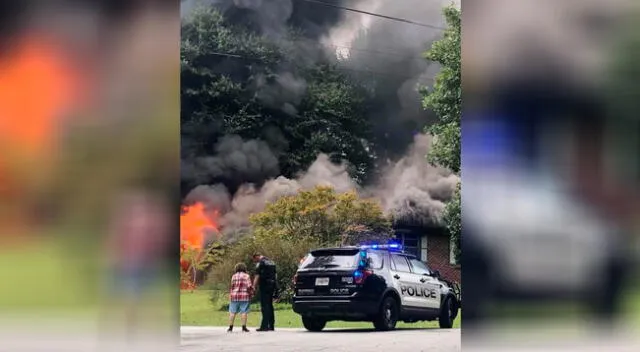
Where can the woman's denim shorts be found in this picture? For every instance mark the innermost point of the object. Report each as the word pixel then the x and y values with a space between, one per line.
pixel 239 307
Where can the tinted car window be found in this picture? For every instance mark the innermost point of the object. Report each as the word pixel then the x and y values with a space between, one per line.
pixel 330 260
pixel 400 263
pixel 419 267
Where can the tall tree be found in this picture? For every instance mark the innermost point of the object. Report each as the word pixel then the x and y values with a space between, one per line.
pixel 445 99
pixel 235 81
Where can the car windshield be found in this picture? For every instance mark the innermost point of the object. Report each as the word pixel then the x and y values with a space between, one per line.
pixel 331 259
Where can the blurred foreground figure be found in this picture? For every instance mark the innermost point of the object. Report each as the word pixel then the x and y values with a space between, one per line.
pixel 135 246
pixel 551 173
pixel 89 102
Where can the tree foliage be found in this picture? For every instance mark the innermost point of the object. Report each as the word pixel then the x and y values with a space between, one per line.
pixel 445 99
pixel 453 213
pixel 235 81
pixel 290 227
pixel 323 215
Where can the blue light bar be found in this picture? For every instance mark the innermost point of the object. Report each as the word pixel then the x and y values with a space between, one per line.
pixel 390 246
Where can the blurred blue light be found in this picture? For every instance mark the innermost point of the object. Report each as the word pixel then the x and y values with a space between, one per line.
pixel 357 274
pixel 390 246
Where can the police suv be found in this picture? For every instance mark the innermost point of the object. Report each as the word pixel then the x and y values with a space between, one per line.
pixel 377 283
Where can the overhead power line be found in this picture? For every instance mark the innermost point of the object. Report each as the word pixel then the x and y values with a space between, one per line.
pixel 376 14
pixel 257 59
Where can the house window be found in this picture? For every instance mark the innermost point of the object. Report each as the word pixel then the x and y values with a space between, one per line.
pixel 410 242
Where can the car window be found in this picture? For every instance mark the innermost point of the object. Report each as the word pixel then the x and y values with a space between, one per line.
pixel 419 267
pixel 376 260
pixel 400 263
pixel 330 259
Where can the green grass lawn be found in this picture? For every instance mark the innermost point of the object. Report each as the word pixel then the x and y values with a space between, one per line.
pixel 196 309
pixel 43 276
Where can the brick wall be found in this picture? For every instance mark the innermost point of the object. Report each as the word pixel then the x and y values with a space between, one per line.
pixel 438 257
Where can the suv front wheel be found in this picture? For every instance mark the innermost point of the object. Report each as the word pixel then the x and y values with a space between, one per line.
pixel 447 313
pixel 312 324
pixel 387 316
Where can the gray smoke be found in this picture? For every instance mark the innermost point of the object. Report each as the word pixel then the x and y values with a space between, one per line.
pixel 392 52
pixel 271 16
pixel 411 190
pixel 234 159
pixel 367 47
pixel 414 191
pixel 284 92
pixel 249 199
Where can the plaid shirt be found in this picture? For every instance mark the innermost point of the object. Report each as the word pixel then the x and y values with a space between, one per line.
pixel 240 287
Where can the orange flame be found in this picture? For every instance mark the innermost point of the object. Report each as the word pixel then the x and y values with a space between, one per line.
pixel 38 86
pixel 193 224
pixel 39 83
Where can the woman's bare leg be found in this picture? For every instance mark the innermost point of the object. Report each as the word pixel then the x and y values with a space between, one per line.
pixel 243 316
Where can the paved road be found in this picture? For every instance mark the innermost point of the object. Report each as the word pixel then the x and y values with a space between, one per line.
pixel 205 339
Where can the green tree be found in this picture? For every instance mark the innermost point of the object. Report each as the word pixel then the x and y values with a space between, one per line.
pixel 235 81
pixel 290 227
pixel 445 99
pixel 453 220
pixel 323 215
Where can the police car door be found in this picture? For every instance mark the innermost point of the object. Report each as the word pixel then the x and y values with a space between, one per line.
pixel 406 282
pixel 430 292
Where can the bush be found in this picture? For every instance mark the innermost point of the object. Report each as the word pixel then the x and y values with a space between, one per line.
pixel 286 254
pixel 291 226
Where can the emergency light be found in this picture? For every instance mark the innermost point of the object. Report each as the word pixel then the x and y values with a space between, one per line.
pixel 389 246
pixel 359 276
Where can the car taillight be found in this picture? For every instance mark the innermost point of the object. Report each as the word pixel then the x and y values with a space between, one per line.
pixel 360 276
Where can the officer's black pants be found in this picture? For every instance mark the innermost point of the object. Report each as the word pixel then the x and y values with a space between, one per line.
pixel 266 306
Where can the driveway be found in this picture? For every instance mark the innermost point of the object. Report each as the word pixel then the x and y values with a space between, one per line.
pixel 204 339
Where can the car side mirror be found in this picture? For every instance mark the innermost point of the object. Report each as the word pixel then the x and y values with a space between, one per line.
pixel 435 273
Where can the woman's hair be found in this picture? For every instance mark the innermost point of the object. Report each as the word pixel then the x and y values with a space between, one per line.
pixel 241 268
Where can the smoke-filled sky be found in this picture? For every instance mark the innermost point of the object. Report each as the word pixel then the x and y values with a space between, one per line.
pixel 391 51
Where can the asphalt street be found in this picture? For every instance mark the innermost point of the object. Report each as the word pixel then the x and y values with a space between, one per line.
pixel 204 339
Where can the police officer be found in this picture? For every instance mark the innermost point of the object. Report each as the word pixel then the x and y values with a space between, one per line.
pixel 265 279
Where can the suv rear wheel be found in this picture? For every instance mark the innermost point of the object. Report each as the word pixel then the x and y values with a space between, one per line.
pixel 387 316
pixel 313 324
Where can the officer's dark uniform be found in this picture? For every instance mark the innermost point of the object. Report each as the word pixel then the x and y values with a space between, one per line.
pixel 266 269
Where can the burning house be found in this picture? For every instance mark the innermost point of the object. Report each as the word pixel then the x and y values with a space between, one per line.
pixel 239 175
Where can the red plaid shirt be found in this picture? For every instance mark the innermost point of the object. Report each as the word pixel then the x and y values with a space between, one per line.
pixel 240 287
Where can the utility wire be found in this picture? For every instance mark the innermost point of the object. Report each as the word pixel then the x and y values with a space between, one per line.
pixel 339 67
pixel 375 14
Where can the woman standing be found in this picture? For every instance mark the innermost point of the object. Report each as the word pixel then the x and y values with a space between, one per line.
pixel 240 296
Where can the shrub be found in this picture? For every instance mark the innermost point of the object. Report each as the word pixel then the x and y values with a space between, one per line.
pixel 285 253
